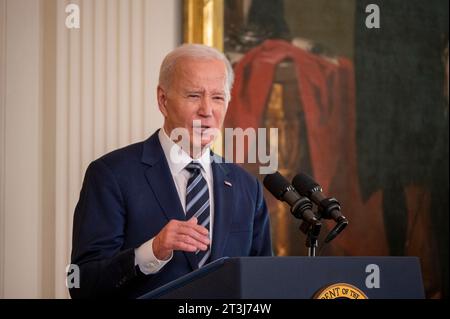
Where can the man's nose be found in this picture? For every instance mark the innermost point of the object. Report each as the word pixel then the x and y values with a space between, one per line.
pixel 205 109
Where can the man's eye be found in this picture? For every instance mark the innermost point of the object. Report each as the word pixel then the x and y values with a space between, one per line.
pixel 194 96
pixel 219 98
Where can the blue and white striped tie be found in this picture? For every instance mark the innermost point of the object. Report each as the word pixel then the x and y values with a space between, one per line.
pixel 197 204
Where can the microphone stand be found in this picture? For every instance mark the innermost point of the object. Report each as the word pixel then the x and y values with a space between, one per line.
pixel 312 232
pixel 310 228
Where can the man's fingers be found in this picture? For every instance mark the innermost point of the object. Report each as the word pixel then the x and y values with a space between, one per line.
pixel 193 220
pixel 185 239
pixel 186 236
pixel 185 247
pixel 198 228
pixel 202 236
pixel 202 230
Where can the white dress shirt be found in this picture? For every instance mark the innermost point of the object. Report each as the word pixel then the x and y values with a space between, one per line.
pixel 177 160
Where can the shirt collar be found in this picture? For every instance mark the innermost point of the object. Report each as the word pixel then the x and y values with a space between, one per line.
pixel 177 158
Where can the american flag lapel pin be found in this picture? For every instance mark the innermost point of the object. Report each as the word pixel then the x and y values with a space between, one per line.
pixel 228 183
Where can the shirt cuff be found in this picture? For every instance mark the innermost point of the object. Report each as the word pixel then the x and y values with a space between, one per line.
pixel 146 260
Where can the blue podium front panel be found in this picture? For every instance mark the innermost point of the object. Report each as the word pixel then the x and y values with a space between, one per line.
pixel 300 277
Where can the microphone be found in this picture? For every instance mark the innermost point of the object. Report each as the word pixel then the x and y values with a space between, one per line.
pixel 301 206
pixel 328 207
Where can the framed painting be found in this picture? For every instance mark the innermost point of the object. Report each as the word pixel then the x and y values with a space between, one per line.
pixel 358 91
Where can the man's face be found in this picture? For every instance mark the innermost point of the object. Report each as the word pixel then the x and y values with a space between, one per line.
pixel 196 92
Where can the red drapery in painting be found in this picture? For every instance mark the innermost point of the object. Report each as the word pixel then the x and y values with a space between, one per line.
pixel 327 95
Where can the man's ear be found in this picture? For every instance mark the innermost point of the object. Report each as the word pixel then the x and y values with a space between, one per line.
pixel 162 100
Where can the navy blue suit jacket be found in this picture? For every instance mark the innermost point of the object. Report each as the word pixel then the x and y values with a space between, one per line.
pixel 129 195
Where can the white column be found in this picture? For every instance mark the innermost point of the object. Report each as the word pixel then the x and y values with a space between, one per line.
pixel 2 140
pixel 89 114
pixel 104 97
pixel 124 23
pixel 106 92
pixel 162 33
pixel 137 70
pixel 100 78
pixel 112 71
pixel 22 150
pixel 75 148
pixel 62 231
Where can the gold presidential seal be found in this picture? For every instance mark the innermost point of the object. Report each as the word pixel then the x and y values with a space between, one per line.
pixel 340 291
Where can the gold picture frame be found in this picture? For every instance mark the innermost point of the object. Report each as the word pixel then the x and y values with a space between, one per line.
pixel 203 22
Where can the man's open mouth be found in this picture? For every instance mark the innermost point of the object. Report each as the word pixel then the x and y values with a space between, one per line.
pixel 202 129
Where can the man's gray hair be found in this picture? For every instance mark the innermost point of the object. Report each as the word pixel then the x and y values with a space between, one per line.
pixel 196 51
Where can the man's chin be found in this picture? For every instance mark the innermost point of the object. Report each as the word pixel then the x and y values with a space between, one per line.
pixel 203 139
pixel 204 143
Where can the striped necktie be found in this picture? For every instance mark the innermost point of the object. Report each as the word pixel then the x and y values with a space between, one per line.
pixel 197 204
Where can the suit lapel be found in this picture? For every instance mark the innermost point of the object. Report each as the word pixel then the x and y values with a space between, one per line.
pixel 223 197
pixel 162 184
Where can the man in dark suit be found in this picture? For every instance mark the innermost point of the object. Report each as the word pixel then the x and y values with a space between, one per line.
pixel 156 210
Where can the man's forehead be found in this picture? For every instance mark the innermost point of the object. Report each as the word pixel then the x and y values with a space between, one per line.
pixel 185 63
pixel 197 88
pixel 193 75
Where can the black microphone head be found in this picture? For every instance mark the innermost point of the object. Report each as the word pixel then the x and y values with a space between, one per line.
pixel 337 229
pixel 305 185
pixel 276 184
